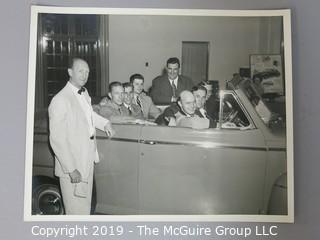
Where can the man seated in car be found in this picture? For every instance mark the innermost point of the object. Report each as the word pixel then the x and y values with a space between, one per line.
pixel 149 110
pixel 182 114
pixel 168 113
pixel 112 107
pixel 212 102
pixel 199 93
pixel 133 109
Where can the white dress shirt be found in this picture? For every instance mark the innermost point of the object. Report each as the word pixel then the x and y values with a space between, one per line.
pixel 203 112
pixel 175 81
pixel 86 107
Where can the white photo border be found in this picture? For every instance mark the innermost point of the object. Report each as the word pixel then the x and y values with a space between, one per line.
pixel 285 13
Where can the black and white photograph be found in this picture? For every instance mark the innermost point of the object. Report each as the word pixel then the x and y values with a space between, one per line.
pixel 159 114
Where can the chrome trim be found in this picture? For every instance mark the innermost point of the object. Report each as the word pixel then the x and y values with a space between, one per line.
pixel 42 165
pixel 119 139
pixel 278 149
pixel 189 144
pixel 280 186
pixel 192 144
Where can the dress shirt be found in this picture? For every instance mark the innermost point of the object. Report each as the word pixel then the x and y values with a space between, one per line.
pixel 175 81
pixel 128 107
pixel 86 107
pixel 174 86
pixel 203 112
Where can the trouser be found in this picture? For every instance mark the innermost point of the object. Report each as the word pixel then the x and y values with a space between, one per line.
pixel 75 205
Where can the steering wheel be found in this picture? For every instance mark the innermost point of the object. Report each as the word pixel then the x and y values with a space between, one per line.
pixel 231 116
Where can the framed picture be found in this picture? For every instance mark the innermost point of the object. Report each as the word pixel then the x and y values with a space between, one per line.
pixel 267 73
pixel 239 170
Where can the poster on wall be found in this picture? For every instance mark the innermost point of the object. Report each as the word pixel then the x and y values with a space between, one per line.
pixel 232 163
pixel 267 73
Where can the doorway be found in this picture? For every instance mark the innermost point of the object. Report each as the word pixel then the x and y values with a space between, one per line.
pixel 195 60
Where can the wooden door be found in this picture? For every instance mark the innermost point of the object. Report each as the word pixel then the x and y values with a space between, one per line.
pixel 195 60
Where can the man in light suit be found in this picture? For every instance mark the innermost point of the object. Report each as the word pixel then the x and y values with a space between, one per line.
pixel 166 88
pixel 149 110
pixel 73 139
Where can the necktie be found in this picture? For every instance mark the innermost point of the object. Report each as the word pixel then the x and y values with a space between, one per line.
pixel 82 89
pixel 174 88
pixel 130 111
pixel 139 102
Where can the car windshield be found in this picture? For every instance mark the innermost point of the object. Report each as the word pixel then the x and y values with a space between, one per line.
pixel 254 96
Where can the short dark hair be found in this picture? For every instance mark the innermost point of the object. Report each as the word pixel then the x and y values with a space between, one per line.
pixel 173 60
pixel 127 84
pixel 136 76
pixel 113 85
pixel 199 87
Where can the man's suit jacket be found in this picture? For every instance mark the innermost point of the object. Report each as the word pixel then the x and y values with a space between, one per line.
pixel 148 108
pixel 161 90
pixel 212 107
pixel 69 134
pixel 116 113
pixel 109 109
pixel 135 111
pixel 168 113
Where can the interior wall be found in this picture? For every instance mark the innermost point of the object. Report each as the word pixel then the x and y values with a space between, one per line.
pixel 142 44
pixel 269 37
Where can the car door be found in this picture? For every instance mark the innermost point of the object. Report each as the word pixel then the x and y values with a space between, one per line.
pixel 211 171
pixel 116 174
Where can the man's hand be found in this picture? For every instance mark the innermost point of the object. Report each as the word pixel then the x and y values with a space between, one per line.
pixel 75 176
pixel 109 130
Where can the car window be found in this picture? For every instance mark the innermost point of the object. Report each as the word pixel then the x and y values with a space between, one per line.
pixel 231 114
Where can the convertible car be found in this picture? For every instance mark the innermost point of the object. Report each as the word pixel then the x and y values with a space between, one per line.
pixel 235 168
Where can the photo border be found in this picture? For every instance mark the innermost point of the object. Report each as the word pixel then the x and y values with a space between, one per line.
pixel 285 13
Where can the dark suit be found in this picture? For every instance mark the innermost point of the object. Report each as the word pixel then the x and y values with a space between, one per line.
pixel 169 112
pixel 161 90
pixel 212 107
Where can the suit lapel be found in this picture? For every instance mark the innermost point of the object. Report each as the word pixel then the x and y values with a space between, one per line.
pixel 168 85
pixel 143 103
pixel 76 107
pixel 87 97
pixel 180 84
